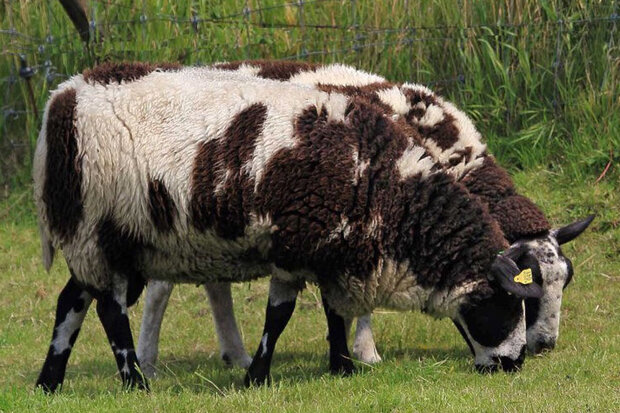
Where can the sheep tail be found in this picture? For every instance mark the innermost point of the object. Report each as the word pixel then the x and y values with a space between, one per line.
pixel 47 248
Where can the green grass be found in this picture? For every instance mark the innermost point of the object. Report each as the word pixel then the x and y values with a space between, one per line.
pixel 427 366
pixel 542 92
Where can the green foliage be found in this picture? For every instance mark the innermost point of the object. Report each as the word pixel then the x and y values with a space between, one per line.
pixel 426 367
pixel 540 79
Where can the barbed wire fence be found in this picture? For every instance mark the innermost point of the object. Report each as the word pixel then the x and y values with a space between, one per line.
pixel 35 62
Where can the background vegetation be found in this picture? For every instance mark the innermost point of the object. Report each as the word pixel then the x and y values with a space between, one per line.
pixel 540 79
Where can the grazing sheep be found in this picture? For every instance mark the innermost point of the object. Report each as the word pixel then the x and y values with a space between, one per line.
pixel 453 141
pixel 194 175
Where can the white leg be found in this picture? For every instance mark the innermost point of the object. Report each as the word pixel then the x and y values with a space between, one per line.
pixel 157 295
pixel 364 347
pixel 231 345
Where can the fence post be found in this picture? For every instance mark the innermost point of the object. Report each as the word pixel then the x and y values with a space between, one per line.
pixel 77 13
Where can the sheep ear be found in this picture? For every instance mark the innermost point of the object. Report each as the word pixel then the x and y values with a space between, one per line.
pixel 572 231
pixel 512 279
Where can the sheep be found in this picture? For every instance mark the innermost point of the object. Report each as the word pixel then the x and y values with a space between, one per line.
pixel 453 141
pixel 194 175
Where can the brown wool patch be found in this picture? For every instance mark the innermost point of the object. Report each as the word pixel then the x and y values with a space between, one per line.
pixel 516 215
pixel 161 206
pixel 308 190
pixel 490 182
pixel 228 65
pixel 519 218
pixel 202 202
pixel 282 69
pixel 461 155
pixel 228 208
pixel 444 231
pixel 62 192
pixel 272 69
pixel 445 133
pixel 366 93
pixel 110 72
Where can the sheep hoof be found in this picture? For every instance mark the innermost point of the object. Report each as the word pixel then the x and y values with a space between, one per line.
pixel 255 381
pixel 367 355
pixel 242 360
pixel 136 382
pixel 48 388
pixel 148 370
pixel 343 368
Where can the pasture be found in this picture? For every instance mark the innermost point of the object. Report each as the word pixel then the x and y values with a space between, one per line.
pixel 426 366
pixel 541 84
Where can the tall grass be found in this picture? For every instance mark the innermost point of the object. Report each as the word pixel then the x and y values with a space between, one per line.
pixel 540 79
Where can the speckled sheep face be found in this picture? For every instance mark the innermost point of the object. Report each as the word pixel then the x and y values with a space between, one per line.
pixel 494 329
pixel 553 271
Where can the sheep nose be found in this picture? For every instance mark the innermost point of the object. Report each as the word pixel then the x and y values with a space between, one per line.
pixel 510 365
pixel 542 345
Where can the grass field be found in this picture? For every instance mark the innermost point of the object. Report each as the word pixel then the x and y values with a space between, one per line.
pixel 427 366
pixel 540 80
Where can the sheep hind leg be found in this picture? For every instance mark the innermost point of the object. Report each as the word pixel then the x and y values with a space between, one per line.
pixel 73 303
pixel 155 303
pixel 112 311
pixel 280 307
pixel 339 358
pixel 231 345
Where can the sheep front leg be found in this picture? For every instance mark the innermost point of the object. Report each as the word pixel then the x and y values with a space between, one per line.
pixel 231 345
pixel 364 346
pixel 339 357
pixel 280 307
pixel 112 311
pixel 73 303
pixel 157 296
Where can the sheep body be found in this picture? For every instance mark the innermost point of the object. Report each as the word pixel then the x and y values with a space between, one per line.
pixel 195 175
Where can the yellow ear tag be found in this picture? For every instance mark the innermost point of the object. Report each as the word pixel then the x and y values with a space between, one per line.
pixel 524 277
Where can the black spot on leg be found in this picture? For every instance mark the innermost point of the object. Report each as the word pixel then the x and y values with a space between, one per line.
pixel 117 329
pixel 53 371
pixel 339 357
pixel 276 319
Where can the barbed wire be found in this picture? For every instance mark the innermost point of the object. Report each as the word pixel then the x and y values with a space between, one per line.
pixel 37 52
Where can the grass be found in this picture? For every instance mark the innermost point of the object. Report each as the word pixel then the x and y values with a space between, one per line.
pixel 539 78
pixel 427 366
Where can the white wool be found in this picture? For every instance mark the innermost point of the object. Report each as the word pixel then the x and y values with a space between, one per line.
pixel 395 99
pixel 411 163
pixel 336 75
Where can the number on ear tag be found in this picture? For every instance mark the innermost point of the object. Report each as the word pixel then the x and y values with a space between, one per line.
pixel 524 277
